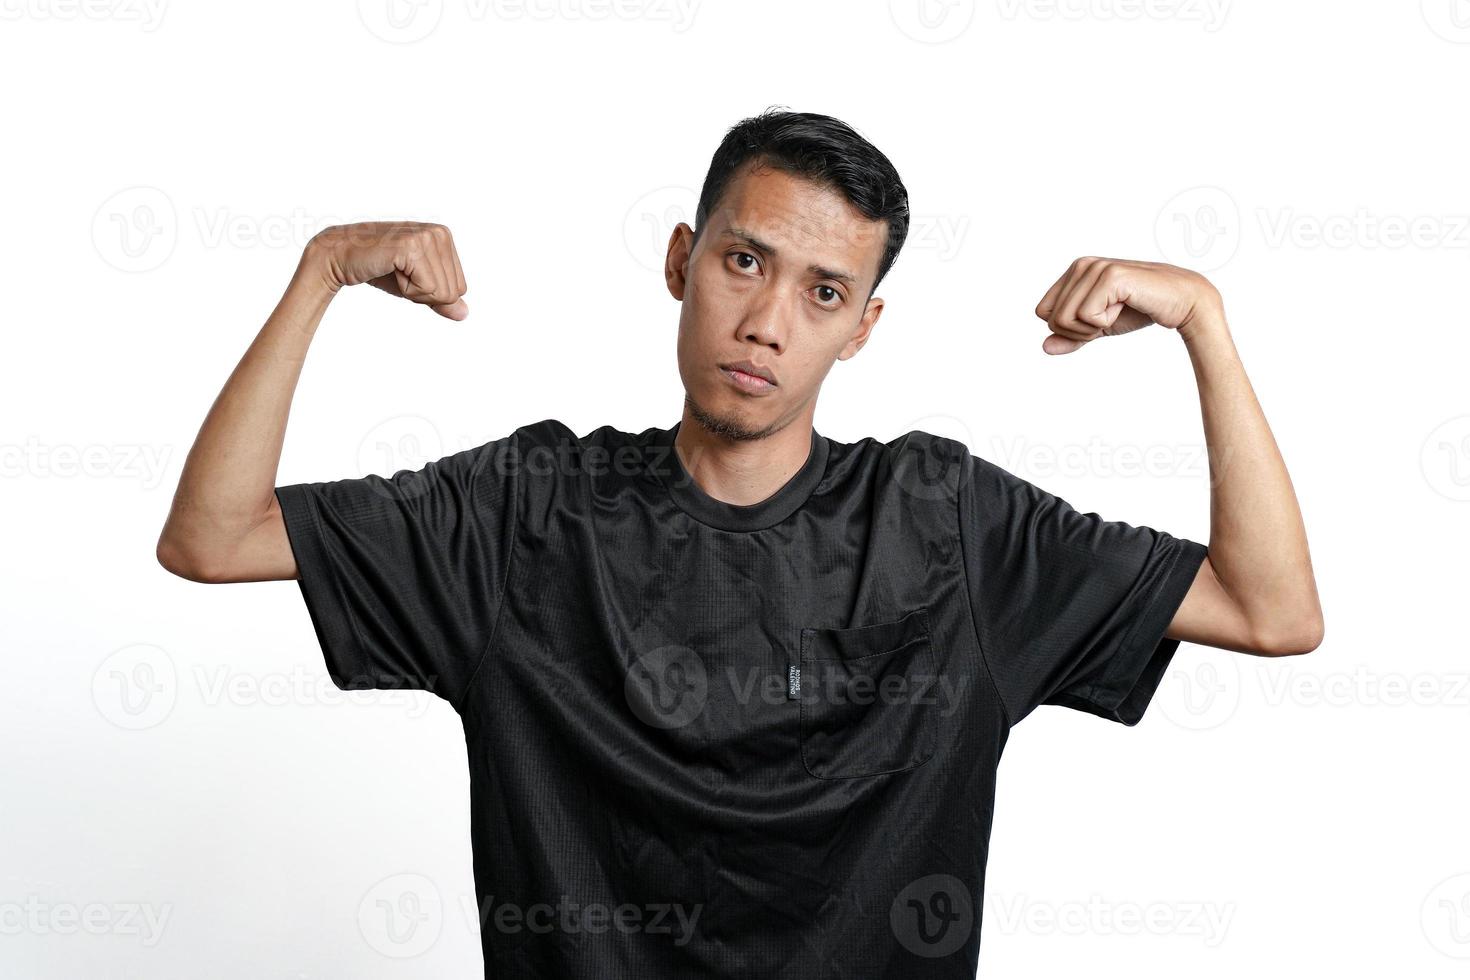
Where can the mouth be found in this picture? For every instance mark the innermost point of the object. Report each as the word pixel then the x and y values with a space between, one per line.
pixel 749 377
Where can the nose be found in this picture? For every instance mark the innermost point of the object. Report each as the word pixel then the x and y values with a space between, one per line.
pixel 767 320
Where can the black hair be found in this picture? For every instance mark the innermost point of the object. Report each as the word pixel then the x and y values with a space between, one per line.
pixel 818 148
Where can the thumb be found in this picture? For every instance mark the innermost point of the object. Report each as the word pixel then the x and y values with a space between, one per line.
pixel 1057 344
pixel 457 310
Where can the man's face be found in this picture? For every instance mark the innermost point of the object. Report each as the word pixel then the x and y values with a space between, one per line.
pixel 780 280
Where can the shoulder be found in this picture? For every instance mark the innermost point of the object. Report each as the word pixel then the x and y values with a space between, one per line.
pixel 550 452
pixel 556 433
pixel 918 464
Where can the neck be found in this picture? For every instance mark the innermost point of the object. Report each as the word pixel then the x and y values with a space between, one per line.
pixel 743 471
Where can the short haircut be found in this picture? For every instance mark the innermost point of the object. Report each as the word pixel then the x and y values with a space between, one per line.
pixel 818 148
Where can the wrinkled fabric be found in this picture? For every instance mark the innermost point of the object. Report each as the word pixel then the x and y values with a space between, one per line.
pixel 716 741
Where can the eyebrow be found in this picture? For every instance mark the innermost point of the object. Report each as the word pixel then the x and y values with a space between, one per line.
pixel 819 270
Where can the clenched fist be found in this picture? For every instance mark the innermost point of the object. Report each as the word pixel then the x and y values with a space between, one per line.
pixel 411 259
pixel 1098 297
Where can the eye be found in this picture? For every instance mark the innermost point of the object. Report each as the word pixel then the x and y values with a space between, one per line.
pixel 835 298
pixel 737 256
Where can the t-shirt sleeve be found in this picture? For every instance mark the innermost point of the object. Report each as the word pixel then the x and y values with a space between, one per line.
pixel 404 576
pixel 1070 609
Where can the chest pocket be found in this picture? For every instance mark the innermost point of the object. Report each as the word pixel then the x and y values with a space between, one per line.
pixel 866 697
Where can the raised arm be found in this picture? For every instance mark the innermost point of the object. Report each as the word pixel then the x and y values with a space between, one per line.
pixel 225 523
pixel 1255 592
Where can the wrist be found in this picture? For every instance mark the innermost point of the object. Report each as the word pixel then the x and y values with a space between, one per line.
pixel 316 272
pixel 1204 323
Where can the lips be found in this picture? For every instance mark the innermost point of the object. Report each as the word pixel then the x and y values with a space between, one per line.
pixel 754 370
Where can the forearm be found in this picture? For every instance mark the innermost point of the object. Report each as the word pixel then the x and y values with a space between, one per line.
pixel 1258 541
pixel 227 486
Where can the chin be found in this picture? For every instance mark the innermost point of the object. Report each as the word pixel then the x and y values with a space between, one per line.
pixel 729 422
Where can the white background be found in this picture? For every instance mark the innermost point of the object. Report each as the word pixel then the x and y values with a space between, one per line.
pixel 176 751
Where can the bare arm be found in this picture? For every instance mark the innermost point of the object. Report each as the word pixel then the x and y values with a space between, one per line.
pixel 1255 592
pixel 225 524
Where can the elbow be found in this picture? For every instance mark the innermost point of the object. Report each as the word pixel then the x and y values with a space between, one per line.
pixel 1302 636
pixel 181 561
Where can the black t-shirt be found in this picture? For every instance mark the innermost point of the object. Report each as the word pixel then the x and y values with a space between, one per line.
pixel 708 740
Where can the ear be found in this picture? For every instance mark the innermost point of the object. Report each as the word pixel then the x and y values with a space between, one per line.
pixel 676 261
pixel 865 329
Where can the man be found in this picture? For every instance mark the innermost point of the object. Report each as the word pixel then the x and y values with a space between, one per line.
pixel 734 693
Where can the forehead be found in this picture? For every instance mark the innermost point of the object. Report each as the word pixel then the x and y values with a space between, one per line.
pixel 802 219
